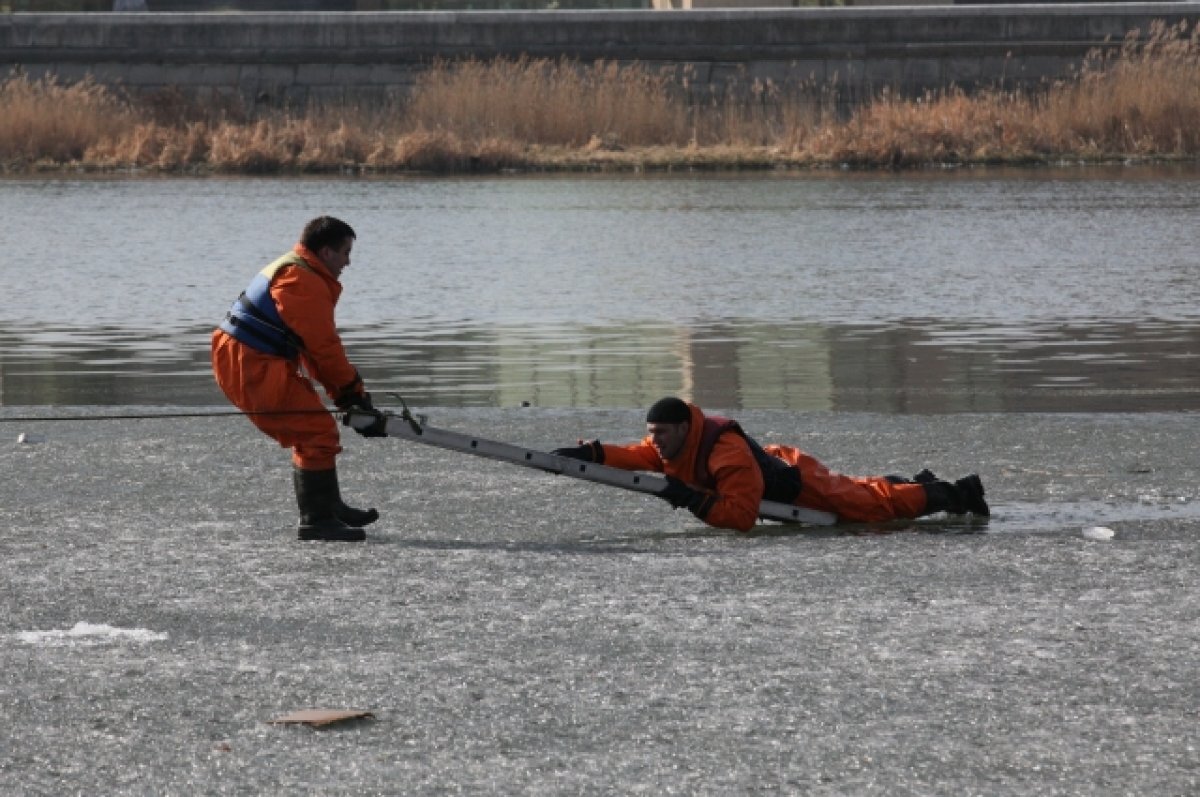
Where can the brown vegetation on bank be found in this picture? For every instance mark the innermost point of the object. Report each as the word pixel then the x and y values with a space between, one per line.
pixel 1142 101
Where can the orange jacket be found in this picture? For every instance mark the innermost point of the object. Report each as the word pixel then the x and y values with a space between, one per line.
pixel 739 482
pixel 305 299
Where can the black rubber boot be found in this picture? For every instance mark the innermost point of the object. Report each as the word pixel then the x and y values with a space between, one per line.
pixel 355 517
pixel 926 476
pixel 348 514
pixel 971 488
pixel 319 501
pixel 965 495
pixel 942 497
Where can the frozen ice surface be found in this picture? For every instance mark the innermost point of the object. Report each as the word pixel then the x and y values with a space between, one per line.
pixel 517 633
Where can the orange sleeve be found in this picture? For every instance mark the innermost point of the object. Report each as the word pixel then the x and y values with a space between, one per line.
pixel 637 456
pixel 306 305
pixel 739 485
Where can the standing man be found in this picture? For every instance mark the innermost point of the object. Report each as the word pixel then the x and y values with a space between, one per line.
pixel 721 475
pixel 279 335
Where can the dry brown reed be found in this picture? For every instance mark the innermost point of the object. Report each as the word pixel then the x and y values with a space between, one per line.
pixel 551 103
pixel 1141 99
pixel 948 127
pixel 42 120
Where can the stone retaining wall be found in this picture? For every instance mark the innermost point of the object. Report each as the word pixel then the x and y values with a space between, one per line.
pixel 289 58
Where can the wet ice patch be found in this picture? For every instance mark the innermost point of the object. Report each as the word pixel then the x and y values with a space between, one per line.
pixel 88 635
pixel 1075 516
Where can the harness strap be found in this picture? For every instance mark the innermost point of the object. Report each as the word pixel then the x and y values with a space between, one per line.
pixel 781 481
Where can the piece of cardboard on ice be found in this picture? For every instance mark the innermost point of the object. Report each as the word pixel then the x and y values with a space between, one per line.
pixel 318 717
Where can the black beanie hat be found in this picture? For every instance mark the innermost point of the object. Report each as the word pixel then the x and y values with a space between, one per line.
pixel 669 410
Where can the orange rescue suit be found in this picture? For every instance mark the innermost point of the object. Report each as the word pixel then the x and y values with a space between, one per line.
pixel 739 480
pixel 305 294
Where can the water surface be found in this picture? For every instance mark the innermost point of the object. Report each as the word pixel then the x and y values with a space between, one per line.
pixel 977 290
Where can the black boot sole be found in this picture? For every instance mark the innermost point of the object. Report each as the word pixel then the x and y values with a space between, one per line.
pixel 317 533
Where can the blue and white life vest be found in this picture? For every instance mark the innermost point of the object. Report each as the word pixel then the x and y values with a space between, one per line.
pixel 254 319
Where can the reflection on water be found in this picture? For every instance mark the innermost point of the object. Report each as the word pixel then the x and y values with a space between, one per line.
pixel 972 290
pixel 917 366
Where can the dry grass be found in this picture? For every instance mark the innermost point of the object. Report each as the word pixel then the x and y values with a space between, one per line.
pixel 551 103
pixel 950 127
pixel 45 121
pixel 1142 100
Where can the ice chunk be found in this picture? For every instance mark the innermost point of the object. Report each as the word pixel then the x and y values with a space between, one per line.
pixel 89 634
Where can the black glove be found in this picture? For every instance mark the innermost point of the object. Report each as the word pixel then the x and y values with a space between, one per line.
pixel 679 495
pixel 591 451
pixel 357 399
pixel 676 493
pixel 353 395
pixel 360 404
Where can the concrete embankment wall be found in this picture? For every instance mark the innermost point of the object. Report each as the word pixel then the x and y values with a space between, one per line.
pixel 294 58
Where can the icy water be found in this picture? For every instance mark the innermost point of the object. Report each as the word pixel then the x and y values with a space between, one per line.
pixel 518 633
pixel 986 291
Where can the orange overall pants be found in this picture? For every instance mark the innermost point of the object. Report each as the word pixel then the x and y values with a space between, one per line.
pixel 261 383
pixel 859 499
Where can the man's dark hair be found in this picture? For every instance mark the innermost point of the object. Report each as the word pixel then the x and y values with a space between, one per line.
pixel 325 231
pixel 669 410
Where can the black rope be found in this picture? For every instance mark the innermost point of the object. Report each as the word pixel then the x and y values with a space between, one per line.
pixel 406 415
pixel 151 416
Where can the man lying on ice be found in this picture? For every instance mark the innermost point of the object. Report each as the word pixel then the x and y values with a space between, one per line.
pixel 721 475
